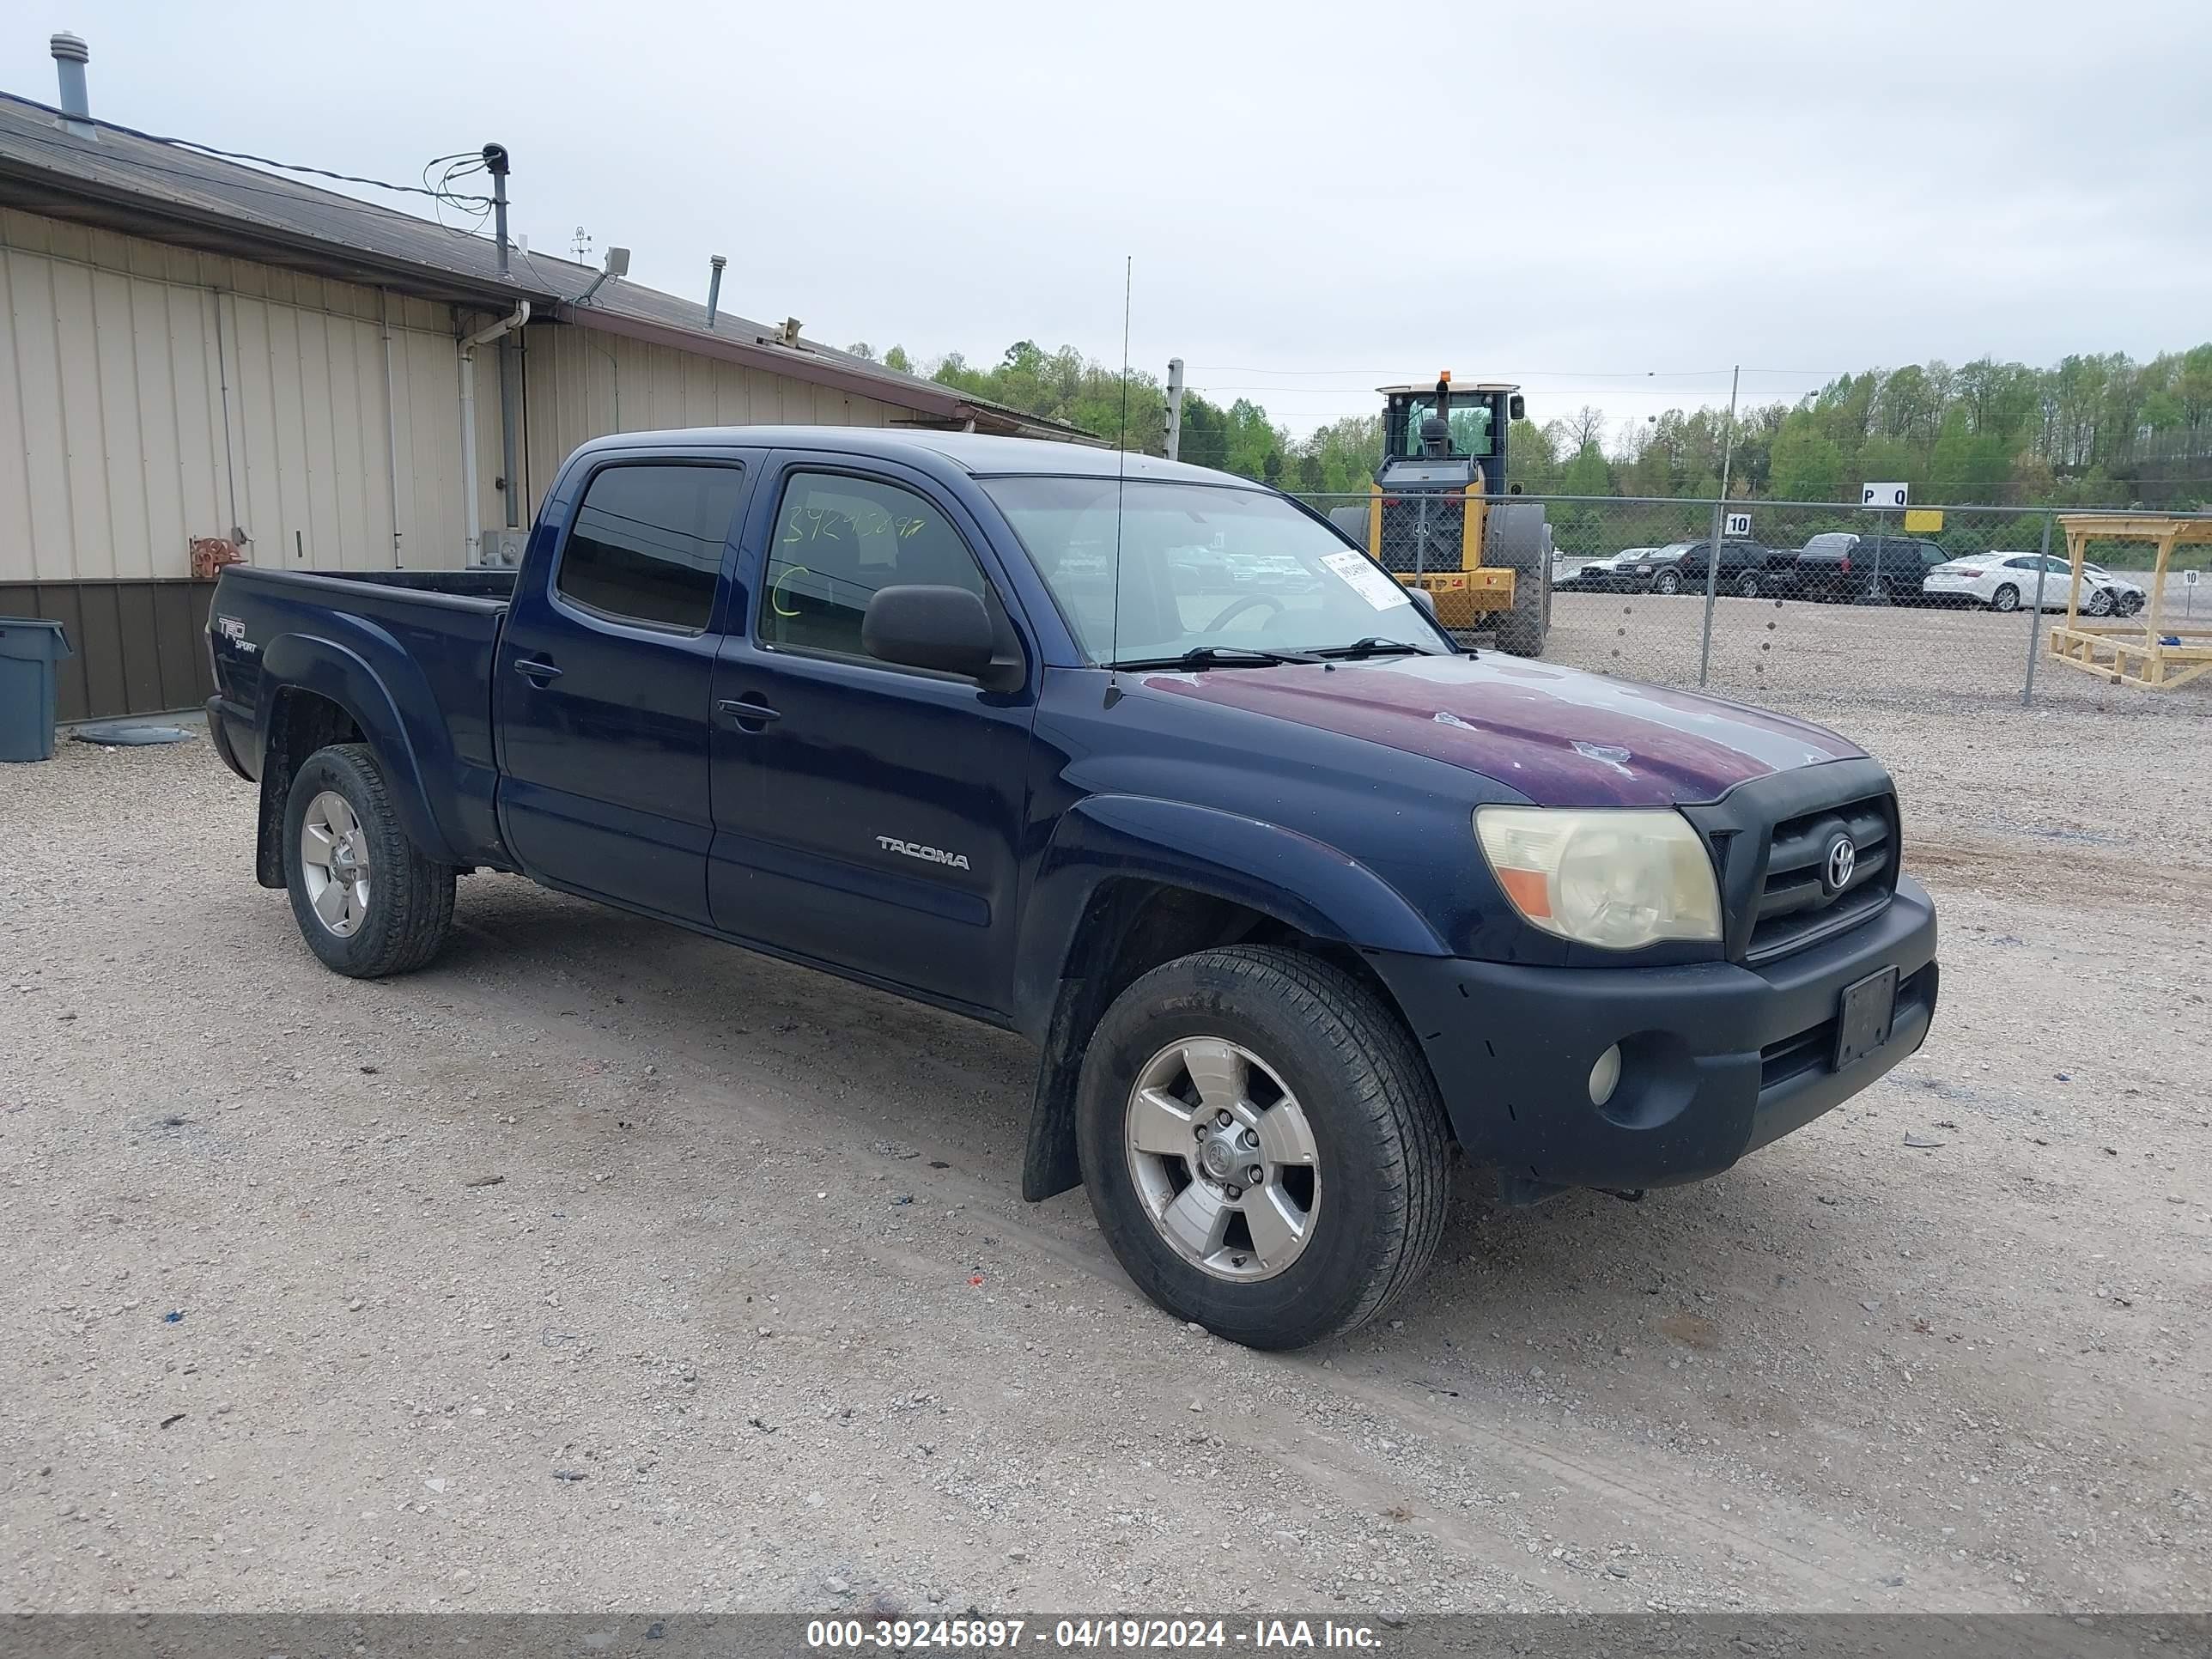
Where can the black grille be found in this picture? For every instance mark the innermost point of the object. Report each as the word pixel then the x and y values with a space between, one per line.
pixel 1422 531
pixel 1796 904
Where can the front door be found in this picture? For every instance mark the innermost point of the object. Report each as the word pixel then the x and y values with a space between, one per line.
pixel 865 815
pixel 603 686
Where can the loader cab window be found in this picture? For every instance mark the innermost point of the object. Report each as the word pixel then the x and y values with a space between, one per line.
pixel 1469 424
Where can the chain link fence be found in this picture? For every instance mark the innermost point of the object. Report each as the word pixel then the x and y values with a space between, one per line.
pixel 1816 607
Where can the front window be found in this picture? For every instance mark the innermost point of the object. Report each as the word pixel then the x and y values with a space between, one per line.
pixel 838 539
pixel 1469 422
pixel 1201 565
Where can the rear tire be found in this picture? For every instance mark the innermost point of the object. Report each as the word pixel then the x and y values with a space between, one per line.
pixel 2005 598
pixel 1747 585
pixel 1515 538
pixel 1271 1027
pixel 397 906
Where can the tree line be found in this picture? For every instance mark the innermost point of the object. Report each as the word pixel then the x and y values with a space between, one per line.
pixel 2094 431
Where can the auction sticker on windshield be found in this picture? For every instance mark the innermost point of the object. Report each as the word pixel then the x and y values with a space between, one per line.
pixel 1364 580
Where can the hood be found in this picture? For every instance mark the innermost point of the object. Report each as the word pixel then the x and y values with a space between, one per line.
pixel 1559 736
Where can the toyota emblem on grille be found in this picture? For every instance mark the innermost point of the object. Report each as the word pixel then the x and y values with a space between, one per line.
pixel 1843 858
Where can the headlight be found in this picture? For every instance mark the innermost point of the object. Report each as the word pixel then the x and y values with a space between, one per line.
pixel 1617 879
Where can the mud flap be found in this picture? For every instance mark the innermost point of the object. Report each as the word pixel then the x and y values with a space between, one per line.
pixel 1052 1164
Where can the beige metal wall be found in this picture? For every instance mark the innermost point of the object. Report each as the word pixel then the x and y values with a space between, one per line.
pixel 150 394
pixel 580 384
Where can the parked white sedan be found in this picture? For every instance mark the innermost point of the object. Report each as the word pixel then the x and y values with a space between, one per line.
pixel 2006 582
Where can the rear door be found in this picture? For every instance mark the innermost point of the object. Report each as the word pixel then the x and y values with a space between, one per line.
pixel 866 816
pixel 603 683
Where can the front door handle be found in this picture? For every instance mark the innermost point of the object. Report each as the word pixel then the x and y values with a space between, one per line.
pixel 746 715
pixel 535 668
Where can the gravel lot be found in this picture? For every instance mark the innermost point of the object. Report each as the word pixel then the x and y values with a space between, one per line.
pixel 1828 660
pixel 600 1265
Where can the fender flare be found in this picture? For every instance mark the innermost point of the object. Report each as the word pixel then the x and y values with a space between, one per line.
pixel 1106 839
pixel 1281 872
pixel 339 672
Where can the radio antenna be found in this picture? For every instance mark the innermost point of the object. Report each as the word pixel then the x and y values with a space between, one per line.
pixel 1120 482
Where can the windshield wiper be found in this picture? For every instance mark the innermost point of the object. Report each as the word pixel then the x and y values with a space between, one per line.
pixel 1219 656
pixel 1376 646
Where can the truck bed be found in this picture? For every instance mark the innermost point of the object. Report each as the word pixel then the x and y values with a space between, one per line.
pixel 479 584
pixel 427 638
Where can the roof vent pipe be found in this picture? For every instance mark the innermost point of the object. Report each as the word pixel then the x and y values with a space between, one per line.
pixel 70 56
pixel 714 287
pixel 495 161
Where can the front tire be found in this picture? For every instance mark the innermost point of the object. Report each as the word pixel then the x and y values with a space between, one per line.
pixel 366 899
pixel 1668 582
pixel 1747 585
pixel 1325 1096
pixel 2100 603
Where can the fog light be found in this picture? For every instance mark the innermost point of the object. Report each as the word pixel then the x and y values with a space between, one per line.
pixel 1605 1075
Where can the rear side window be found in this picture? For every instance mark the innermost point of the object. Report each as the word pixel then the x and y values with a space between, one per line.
pixel 837 540
pixel 647 546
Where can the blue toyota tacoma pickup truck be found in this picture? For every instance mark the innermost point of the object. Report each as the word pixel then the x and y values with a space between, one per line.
pixel 1291 891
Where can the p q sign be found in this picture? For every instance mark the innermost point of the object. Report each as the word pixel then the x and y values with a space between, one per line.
pixel 1884 495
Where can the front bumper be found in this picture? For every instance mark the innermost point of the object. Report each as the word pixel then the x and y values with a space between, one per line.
pixel 1718 1060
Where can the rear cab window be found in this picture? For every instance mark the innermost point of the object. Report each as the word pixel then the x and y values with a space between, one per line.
pixel 646 546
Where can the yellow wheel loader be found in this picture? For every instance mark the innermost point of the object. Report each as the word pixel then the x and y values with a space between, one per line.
pixel 1438 516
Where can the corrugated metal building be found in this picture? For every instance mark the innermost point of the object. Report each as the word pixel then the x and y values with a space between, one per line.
pixel 197 348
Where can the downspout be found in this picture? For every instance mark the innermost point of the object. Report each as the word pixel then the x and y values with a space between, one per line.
pixel 469 344
pixel 390 425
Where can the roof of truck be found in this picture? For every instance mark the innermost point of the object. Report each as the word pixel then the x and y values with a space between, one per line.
pixel 979 455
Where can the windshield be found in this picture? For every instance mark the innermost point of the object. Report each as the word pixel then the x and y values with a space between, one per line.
pixel 1201 565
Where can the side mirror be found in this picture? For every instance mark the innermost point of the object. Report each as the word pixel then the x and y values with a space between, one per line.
pixel 919 626
pixel 1516 408
pixel 1423 598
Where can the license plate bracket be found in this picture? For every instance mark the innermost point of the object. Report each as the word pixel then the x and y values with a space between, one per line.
pixel 1864 1013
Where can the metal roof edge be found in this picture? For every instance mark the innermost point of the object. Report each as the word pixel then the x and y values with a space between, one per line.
pixel 779 359
pixel 147 216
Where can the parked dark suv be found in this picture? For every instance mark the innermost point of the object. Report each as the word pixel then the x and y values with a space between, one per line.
pixel 1840 566
pixel 1685 565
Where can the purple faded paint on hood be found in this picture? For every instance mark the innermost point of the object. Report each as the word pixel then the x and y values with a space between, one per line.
pixel 1561 737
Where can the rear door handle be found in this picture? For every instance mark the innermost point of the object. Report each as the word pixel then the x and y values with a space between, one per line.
pixel 535 668
pixel 747 714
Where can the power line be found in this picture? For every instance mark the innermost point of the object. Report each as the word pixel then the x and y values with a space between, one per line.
pixel 232 155
pixel 139 164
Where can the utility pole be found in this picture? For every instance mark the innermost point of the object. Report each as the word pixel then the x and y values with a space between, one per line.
pixel 1720 507
pixel 1175 406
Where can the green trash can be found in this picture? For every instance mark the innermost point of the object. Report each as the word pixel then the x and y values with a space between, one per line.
pixel 29 648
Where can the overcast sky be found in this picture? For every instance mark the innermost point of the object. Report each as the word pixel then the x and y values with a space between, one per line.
pixel 1608 202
